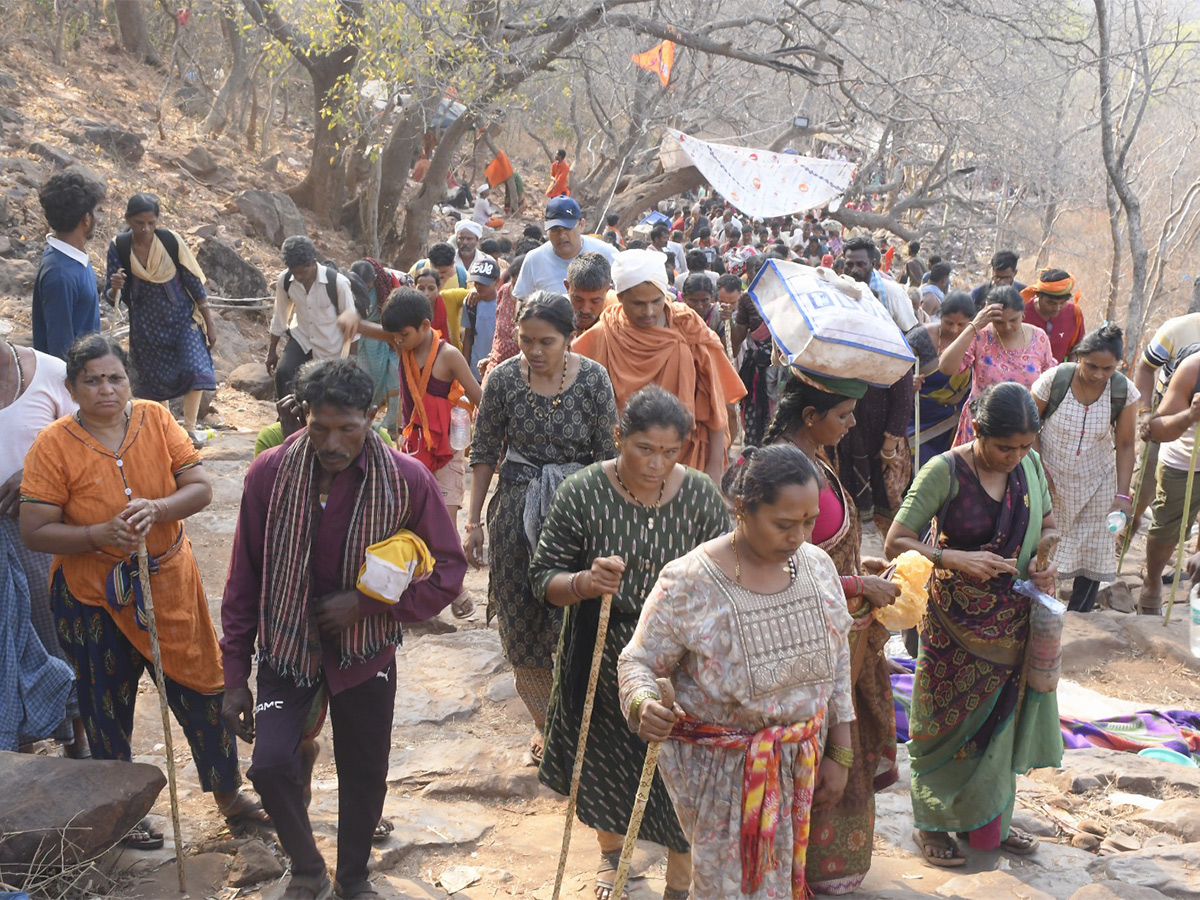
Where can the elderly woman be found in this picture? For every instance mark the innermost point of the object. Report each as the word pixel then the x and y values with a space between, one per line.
pixel 996 346
pixel 975 722
pixel 94 483
pixel 610 530
pixel 546 413
pixel 751 629
pixel 153 272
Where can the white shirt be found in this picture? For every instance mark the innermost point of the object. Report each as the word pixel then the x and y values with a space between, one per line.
pixel 678 254
pixel 309 316
pixel 45 400
pixel 545 270
pixel 483 211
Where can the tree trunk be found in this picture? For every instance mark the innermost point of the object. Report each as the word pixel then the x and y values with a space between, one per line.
pixel 648 193
pixel 131 19
pixel 1194 303
pixel 1114 266
pixel 218 116
pixel 323 188
pixel 415 232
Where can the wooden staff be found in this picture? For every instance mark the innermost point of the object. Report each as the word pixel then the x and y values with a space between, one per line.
pixel 1184 524
pixel 666 696
pixel 584 726
pixel 160 680
pixel 916 420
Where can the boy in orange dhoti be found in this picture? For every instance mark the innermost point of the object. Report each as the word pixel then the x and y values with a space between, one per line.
pixel 647 338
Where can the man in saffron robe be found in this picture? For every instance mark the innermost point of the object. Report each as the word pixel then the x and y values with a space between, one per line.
pixel 647 338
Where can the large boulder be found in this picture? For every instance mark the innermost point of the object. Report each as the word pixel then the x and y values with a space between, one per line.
pixel 1180 817
pixel 16 277
pixel 1172 870
pixel 252 378
pixel 116 142
pixel 228 274
pixel 273 216
pixel 57 812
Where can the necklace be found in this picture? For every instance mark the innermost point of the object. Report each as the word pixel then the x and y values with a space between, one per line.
pixel 540 411
pixel 20 374
pixel 657 503
pixel 790 568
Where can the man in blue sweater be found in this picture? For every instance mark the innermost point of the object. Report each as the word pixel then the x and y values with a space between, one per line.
pixel 66 303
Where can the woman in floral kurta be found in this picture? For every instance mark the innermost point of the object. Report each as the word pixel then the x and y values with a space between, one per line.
pixel 747 661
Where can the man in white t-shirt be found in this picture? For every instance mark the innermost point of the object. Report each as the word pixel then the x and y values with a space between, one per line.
pixel 545 269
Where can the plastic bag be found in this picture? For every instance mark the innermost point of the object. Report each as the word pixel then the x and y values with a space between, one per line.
pixel 1044 654
pixel 911 576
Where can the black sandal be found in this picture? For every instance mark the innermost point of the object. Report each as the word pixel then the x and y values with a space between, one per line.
pixel 143 836
pixel 383 831
pixel 309 887
pixel 606 876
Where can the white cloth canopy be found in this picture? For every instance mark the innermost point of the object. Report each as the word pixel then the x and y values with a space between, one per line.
pixel 763 183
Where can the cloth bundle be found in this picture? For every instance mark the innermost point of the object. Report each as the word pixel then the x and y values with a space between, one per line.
pixel 391 565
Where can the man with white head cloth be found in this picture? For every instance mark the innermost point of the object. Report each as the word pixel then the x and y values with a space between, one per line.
pixel 466 238
pixel 647 338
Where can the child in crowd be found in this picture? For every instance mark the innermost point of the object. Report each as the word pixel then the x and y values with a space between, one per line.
pixel 479 313
pixel 429 283
pixel 699 293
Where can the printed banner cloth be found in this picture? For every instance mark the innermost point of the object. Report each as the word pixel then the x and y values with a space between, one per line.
pixel 763 183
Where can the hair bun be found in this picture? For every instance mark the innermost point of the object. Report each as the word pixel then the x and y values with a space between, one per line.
pixel 748 453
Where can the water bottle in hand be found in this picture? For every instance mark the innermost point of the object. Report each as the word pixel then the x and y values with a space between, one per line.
pixel 460 428
pixel 1116 522
pixel 1194 636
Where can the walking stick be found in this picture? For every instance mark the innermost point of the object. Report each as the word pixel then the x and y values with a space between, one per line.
pixel 160 680
pixel 1184 524
pixel 1137 490
pixel 584 726
pixel 916 419
pixel 666 696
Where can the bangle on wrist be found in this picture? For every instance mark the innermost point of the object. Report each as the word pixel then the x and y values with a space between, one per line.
pixel 843 756
pixel 635 705
pixel 936 556
pixel 573 587
pixel 1124 497
pixel 471 526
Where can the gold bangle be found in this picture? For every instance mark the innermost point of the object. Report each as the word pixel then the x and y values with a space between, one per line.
pixel 635 705
pixel 842 756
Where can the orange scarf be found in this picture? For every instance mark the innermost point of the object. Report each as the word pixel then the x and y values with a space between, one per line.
pixel 685 357
pixel 761 790
pixel 423 437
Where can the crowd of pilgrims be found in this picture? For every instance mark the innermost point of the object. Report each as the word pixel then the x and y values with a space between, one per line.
pixel 645 450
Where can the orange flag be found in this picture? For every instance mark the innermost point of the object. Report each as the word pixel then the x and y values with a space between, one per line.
pixel 658 59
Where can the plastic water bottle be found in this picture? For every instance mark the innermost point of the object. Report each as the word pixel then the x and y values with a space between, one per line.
pixel 1194 636
pixel 1116 522
pixel 460 428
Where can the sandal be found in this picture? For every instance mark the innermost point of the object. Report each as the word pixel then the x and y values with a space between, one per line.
pixel 537 747
pixel 463 606
pixel 672 894
pixel 1018 842
pixel 308 887
pixel 606 876
pixel 929 846
pixel 143 836
pixel 244 816
pixel 382 832
pixel 358 889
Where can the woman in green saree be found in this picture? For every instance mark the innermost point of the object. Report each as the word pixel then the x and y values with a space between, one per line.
pixel 975 722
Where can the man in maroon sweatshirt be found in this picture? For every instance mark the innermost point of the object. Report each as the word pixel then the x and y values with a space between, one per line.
pixel 310 508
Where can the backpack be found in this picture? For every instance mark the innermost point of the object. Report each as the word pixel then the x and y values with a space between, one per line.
pixel 1062 383
pixel 360 292
pixel 124 244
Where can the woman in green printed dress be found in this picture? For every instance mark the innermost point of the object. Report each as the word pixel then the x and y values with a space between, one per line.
pixel 610 530
pixel 547 413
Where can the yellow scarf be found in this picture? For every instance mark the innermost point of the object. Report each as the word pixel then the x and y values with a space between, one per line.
pixel 159 269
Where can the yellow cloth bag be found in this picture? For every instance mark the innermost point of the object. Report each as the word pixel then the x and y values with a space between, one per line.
pixel 911 576
pixel 393 564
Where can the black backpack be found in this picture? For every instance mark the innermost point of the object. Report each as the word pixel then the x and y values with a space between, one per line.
pixel 1117 397
pixel 359 290
pixel 124 244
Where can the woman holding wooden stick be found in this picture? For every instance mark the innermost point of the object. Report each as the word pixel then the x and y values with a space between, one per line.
pixel 610 530
pixel 751 627
pixel 94 482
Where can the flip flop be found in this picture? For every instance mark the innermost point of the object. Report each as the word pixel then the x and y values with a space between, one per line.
pixel 463 606
pixel 382 831
pixel 606 876
pixel 1027 843
pixel 355 891
pixel 143 836
pixel 953 861
pixel 245 817
pixel 309 887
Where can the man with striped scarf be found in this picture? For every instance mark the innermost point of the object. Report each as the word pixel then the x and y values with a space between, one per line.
pixel 310 509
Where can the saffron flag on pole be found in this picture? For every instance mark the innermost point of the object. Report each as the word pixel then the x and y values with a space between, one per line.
pixel 764 183
pixel 658 59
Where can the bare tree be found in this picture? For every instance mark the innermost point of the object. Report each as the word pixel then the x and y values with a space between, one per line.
pixel 135 37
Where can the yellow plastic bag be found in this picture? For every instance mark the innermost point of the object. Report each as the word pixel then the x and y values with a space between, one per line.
pixel 911 576
pixel 393 564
